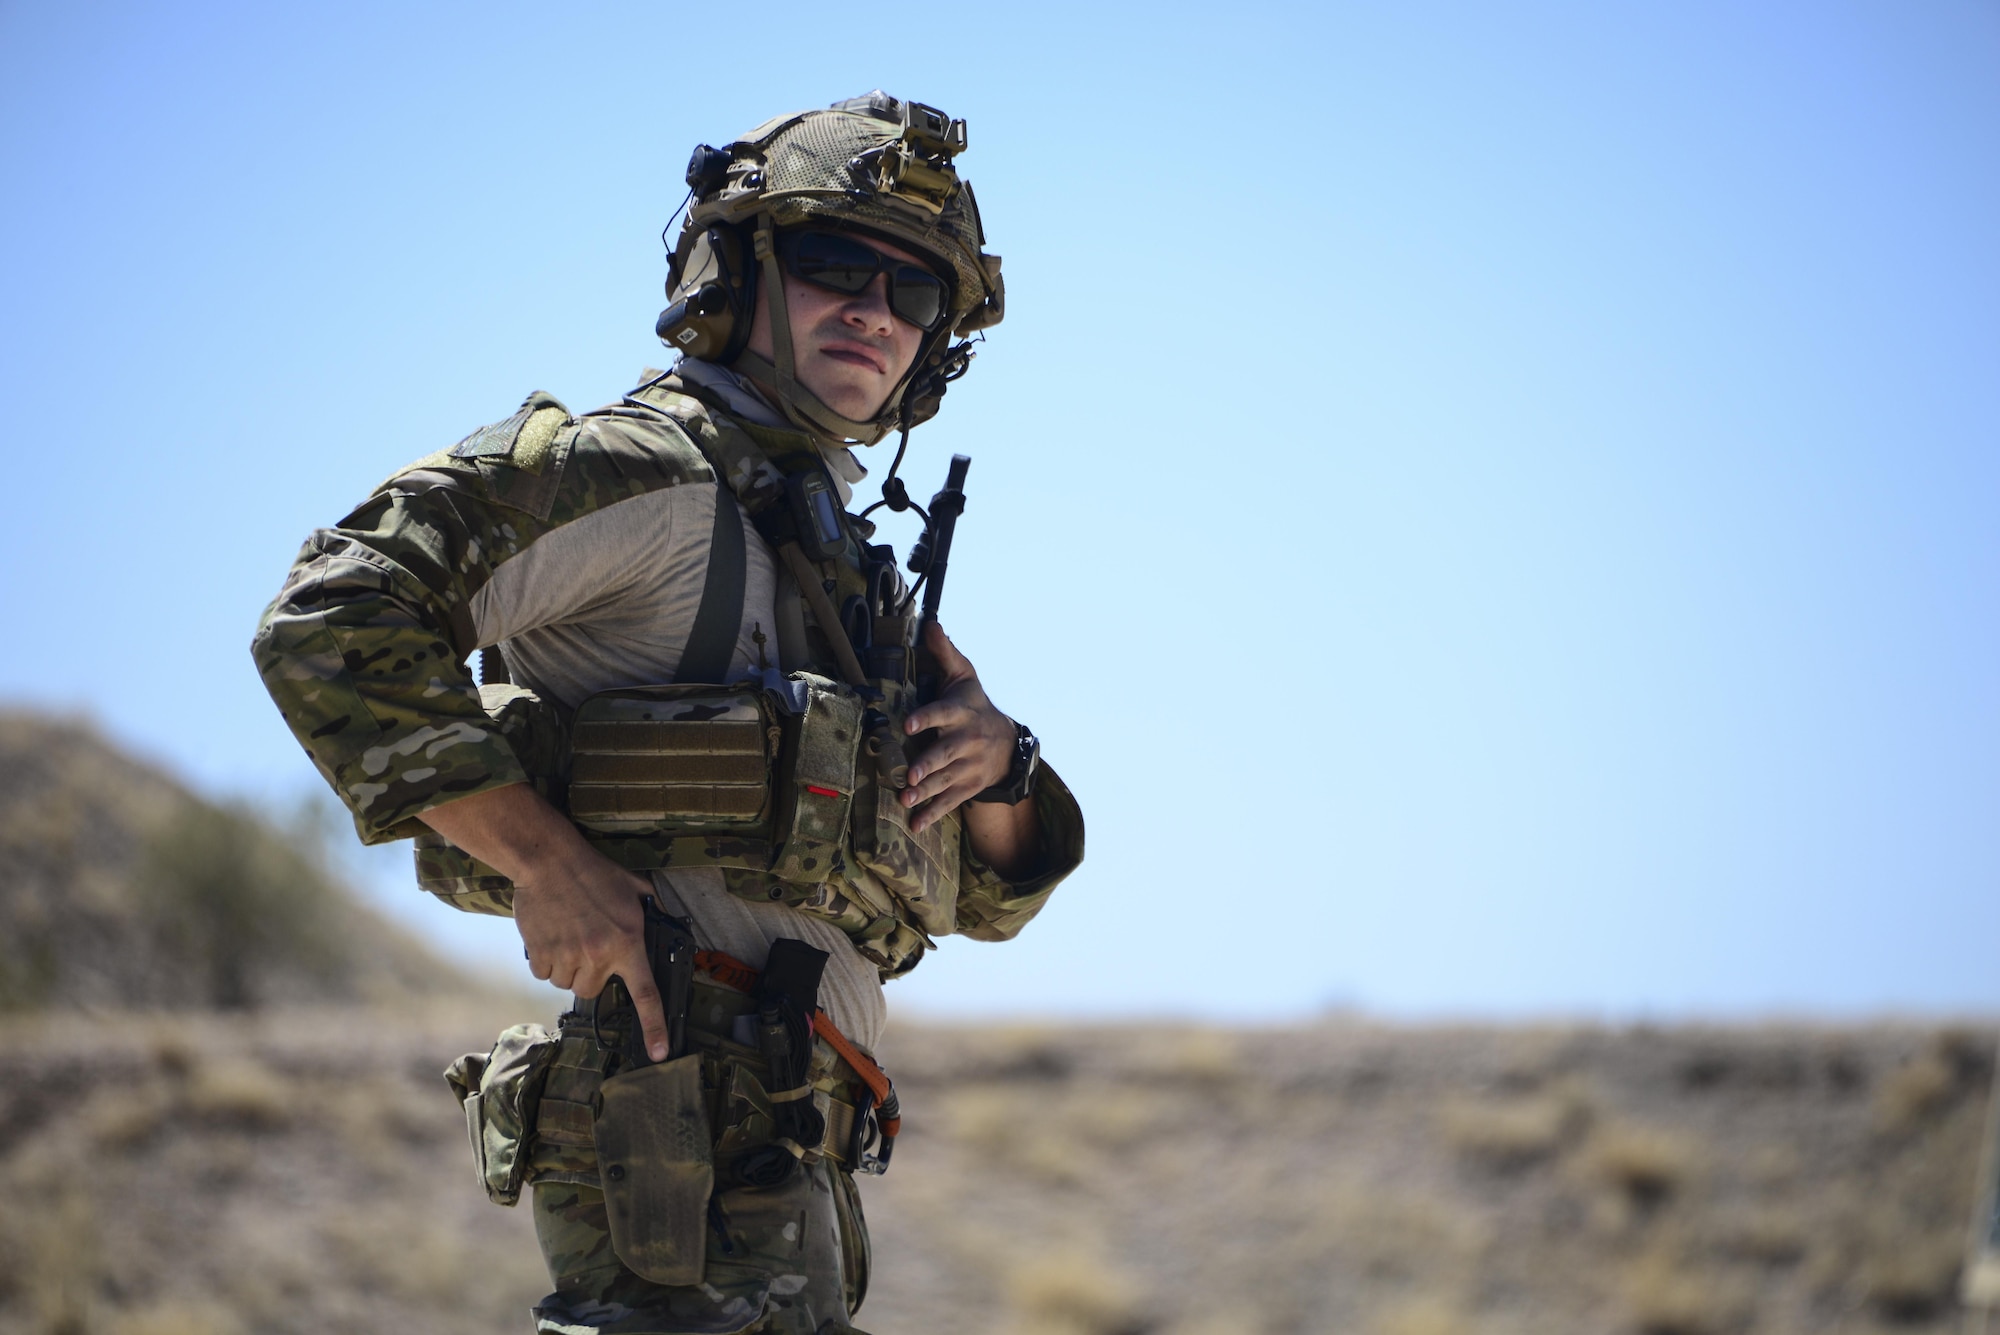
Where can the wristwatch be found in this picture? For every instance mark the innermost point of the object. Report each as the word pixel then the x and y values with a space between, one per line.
pixel 1020 780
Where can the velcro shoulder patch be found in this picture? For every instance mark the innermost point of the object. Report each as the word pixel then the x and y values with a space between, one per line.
pixel 522 440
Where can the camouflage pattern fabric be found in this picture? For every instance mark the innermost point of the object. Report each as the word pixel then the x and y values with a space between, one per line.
pixel 786 1259
pixel 364 651
pixel 790 1258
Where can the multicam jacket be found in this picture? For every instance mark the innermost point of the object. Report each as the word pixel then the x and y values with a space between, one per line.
pixel 578 545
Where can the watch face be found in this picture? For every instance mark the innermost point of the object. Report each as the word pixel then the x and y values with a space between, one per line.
pixel 1027 755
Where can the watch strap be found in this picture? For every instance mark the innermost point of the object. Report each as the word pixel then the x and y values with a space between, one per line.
pixel 1020 780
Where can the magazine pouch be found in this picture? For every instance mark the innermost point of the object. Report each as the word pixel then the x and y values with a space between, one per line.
pixel 814 779
pixel 657 1169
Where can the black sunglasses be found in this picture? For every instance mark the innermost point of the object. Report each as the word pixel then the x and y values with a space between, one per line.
pixel 842 264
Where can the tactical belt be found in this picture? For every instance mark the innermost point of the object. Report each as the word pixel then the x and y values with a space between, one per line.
pixel 863 1115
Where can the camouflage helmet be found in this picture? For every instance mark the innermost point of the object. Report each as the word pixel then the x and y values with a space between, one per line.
pixel 876 165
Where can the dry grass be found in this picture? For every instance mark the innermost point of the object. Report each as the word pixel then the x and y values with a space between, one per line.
pixel 64 1261
pixel 1953 1064
pixel 1665 1297
pixel 309 1176
pixel 1068 1294
pixel 1322 1187
pixel 427 1262
pixel 1770 1235
pixel 1509 1134
pixel 1198 1056
pixel 121 1120
pixel 1423 1316
pixel 1910 1277
pixel 1023 1130
pixel 154 1188
pixel 119 887
pixel 1644 1165
pixel 1915 1091
pixel 176 1318
pixel 239 1092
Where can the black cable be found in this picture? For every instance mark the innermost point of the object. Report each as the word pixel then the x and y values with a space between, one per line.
pixel 668 245
pixel 911 601
pixel 894 494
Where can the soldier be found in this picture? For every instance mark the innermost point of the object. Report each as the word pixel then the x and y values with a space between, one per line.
pixel 720 720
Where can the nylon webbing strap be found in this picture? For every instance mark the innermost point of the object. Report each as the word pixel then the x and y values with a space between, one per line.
pixel 765 246
pixel 711 642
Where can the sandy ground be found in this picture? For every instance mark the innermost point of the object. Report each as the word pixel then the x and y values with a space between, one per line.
pixel 305 1172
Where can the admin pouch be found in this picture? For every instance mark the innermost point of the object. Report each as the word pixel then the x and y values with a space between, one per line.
pixel 499 1091
pixel 656 1168
pixel 721 776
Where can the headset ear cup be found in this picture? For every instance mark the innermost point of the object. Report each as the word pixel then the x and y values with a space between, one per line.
pixel 711 292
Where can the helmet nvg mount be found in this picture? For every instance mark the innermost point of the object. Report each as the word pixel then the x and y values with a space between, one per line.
pixel 876 165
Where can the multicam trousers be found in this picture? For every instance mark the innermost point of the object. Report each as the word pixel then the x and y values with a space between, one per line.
pixel 791 1259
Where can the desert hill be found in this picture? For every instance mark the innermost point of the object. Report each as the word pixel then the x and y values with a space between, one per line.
pixel 192 1149
pixel 306 1171
pixel 121 888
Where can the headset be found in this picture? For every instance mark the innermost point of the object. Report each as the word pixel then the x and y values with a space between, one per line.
pixel 712 319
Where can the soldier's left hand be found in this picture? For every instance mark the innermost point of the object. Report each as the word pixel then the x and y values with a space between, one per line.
pixel 974 748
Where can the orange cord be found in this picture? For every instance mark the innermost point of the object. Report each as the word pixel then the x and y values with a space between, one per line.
pixel 734 973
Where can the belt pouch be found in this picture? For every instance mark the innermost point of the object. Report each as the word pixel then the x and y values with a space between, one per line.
pixel 500 1091
pixel 657 1169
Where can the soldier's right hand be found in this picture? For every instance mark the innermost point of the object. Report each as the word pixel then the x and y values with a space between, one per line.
pixel 578 912
pixel 582 923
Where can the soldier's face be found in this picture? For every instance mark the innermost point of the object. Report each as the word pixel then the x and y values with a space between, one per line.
pixel 851 351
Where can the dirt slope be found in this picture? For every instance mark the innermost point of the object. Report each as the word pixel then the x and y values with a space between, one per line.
pixel 192 1149
pixel 119 887
pixel 306 1172
pixel 1424 1182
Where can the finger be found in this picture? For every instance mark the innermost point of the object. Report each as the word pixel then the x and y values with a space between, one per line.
pixel 637 974
pixel 949 748
pixel 935 810
pixel 954 663
pixel 934 782
pixel 925 782
pixel 938 714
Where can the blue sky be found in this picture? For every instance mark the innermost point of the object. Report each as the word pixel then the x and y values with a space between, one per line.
pixel 1491 507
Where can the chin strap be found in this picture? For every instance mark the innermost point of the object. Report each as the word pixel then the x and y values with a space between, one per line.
pixel 785 364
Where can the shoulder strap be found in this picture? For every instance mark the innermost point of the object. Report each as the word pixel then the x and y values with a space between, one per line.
pixel 739 453
pixel 711 642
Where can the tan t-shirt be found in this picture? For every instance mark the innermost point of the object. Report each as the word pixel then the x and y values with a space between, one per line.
pixel 608 600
